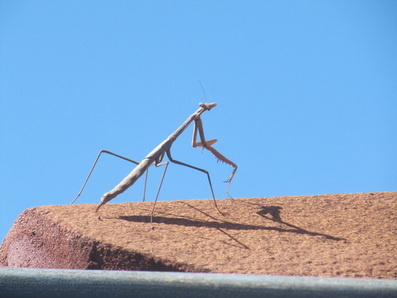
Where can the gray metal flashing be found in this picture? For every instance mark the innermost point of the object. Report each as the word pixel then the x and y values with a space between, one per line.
pixel 23 282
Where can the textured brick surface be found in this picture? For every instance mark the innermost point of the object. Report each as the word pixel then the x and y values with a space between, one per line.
pixel 343 235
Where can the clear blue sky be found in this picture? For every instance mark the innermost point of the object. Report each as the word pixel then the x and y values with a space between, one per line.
pixel 306 93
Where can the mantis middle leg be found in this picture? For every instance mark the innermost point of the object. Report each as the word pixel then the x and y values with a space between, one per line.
pixel 189 166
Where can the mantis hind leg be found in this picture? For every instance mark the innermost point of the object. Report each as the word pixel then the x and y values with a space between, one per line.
pixel 93 167
pixel 166 163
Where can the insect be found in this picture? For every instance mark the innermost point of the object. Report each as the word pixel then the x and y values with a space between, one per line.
pixel 156 156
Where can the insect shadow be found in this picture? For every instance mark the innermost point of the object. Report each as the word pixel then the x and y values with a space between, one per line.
pixel 272 213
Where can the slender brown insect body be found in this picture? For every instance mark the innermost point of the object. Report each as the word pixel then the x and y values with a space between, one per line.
pixel 156 156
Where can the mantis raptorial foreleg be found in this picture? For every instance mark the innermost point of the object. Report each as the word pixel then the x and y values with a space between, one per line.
pixel 198 126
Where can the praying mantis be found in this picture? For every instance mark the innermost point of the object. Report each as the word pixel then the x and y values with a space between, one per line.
pixel 156 156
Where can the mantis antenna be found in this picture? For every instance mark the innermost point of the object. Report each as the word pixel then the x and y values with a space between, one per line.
pixel 205 94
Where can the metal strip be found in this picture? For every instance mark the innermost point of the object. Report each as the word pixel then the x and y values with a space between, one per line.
pixel 23 282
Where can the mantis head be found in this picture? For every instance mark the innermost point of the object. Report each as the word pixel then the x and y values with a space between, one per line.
pixel 207 106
